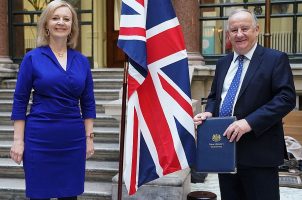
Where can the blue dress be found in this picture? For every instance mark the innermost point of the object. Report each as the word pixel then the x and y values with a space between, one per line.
pixel 55 140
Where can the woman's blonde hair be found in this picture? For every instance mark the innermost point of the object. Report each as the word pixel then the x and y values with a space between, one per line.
pixel 43 37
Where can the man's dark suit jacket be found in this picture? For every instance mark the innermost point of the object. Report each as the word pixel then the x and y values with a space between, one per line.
pixel 267 94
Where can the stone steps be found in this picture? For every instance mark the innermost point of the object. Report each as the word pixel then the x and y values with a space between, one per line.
pixel 8 84
pixel 14 189
pixel 100 94
pixel 95 170
pixel 108 83
pixel 101 120
pixel 106 94
pixel 104 73
pixel 102 151
pixel 6 94
pixel 98 83
pixel 102 134
pixel 6 105
pixel 8 70
pixel 100 168
pixel 5 119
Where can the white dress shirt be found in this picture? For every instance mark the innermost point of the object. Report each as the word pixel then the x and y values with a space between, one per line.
pixel 232 71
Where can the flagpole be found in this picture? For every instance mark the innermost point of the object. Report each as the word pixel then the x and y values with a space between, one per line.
pixel 122 128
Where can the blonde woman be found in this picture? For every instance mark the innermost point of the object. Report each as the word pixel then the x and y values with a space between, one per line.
pixel 56 137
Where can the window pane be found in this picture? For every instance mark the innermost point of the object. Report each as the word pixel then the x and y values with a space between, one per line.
pixel 299 36
pixel 209 12
pixel 35 5
pixel 282 9
pixel 213 39
pixel 86 40
pixel 86 17
pixel 281 34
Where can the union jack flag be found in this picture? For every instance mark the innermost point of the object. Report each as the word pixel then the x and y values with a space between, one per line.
pixel 160 130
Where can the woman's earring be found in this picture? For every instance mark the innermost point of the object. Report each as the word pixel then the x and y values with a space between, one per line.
pixel 47 32
pixel 69 37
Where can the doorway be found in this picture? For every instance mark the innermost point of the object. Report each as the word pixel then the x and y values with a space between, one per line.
pixel 115 56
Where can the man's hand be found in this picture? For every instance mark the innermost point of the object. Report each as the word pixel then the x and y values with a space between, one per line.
pixel 237 129
pixel 200 117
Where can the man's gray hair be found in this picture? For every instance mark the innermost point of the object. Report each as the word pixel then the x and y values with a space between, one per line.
pixel 255 20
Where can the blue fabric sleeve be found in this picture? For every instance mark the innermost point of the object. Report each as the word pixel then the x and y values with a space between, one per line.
pixel 23 89
pixel 87 100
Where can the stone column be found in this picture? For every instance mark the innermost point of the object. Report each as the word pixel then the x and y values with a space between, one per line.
pixel 187 12
pixel 4 58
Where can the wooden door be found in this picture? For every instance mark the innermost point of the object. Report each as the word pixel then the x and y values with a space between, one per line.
pixel 115 56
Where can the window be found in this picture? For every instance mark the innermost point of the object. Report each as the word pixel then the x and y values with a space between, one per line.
pixel 286 26
pixel 23 17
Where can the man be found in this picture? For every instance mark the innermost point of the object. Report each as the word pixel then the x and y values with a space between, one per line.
pixel 262 94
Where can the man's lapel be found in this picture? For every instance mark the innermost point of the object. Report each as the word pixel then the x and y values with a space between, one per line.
pixel 224 69
pixel 252 68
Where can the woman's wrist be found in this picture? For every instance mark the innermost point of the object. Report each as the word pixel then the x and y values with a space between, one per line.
pixel 90 135
pixel 18 140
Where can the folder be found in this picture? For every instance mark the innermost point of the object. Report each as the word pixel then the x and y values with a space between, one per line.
pixel 215 153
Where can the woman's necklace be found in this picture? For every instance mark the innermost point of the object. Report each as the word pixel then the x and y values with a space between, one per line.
pixel 60 54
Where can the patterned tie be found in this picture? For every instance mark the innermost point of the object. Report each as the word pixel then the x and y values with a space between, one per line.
pixel 228 102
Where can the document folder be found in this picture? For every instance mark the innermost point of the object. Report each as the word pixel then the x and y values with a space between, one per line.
pixel 214 151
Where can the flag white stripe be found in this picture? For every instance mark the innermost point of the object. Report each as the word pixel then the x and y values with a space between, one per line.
pixel 155 68
pixel 162 27
pixel 180 55
pixel 138 147
pixel 132 37
pixel 130 21
pixel 134 103
pixel 183 117
pixel 135 74
pixel 164 101
pixel 149 142
pixel 185 120
pixel 128 143
pixel 181 93
pixel 135 6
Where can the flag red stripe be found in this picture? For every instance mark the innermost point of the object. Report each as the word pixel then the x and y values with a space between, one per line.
pixel 132 85
pixel 173 93
pixel 141 2
pixel 133 178
pixel 158 126
pixel 159 46
pixel 132 31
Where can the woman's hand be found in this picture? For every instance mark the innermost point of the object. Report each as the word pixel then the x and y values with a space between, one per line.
pixel 90 147
pixel 16 151
pixel 89 137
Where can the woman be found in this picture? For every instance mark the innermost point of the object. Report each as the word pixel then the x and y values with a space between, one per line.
pixel 56 137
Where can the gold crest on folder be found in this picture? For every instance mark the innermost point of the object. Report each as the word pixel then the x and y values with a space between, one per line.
pixel 216 137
